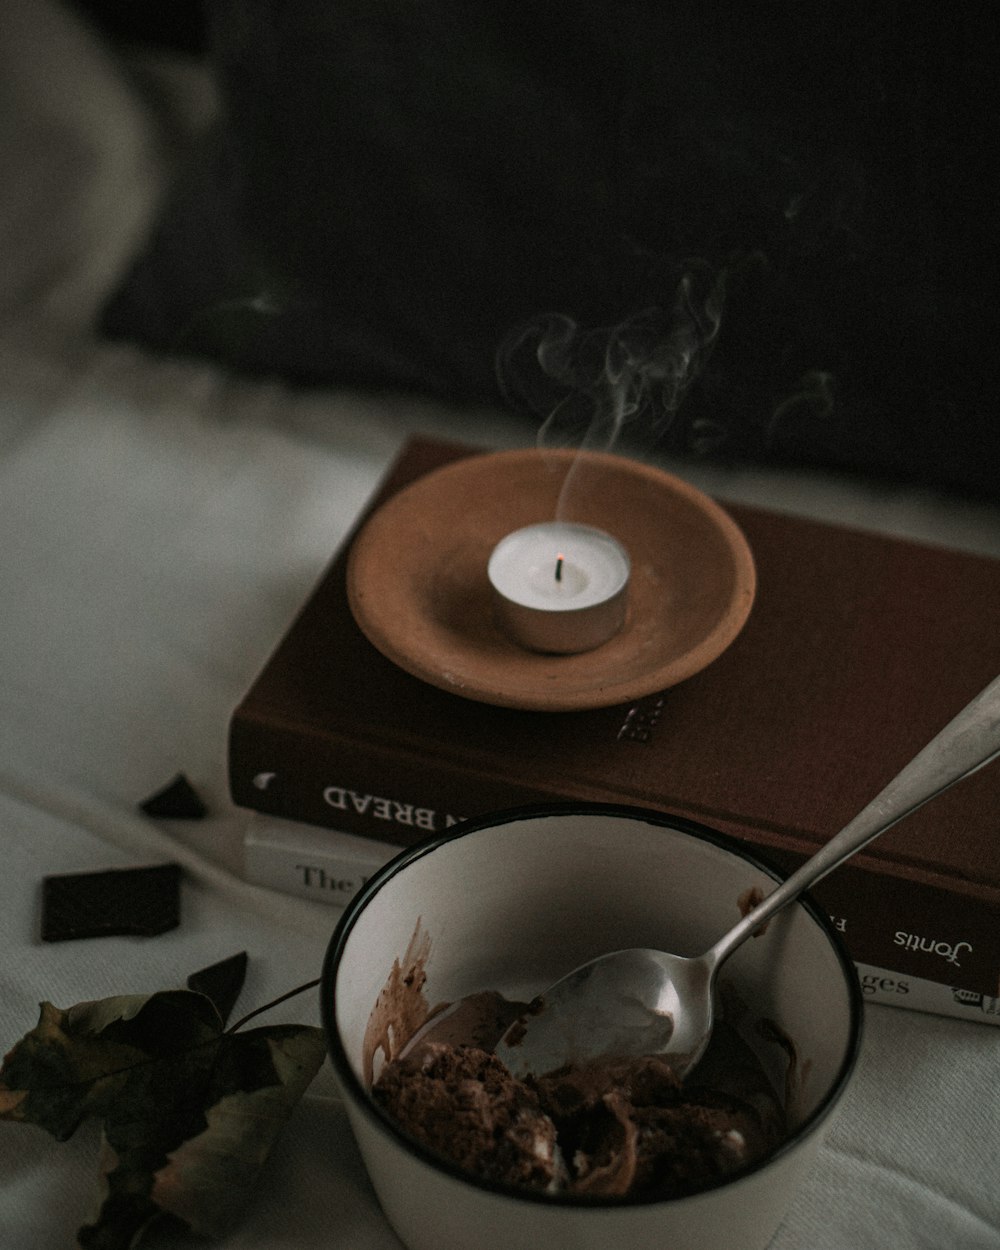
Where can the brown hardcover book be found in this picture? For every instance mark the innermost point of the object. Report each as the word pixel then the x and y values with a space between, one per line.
pixel 859 648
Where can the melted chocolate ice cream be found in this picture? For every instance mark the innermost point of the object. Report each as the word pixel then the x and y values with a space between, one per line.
pixel 615 1127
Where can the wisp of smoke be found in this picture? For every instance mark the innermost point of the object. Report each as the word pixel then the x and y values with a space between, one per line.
pixel 590 385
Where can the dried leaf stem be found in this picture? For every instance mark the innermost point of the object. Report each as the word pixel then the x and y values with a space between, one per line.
pixel 301 989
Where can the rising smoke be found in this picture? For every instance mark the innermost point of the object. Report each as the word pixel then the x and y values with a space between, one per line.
pixel 592 386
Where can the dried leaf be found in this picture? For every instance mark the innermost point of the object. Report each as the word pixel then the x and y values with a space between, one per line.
pixel 84 1061
pixel 189 1111
pixel 206 1177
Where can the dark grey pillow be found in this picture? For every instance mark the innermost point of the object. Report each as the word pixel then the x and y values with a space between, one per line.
pixel 398 189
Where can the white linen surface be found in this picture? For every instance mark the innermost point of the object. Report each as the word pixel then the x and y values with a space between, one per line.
pixel 161 522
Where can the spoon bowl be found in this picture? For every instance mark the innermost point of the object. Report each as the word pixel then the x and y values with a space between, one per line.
pixel 646 1002
pixel 629 1002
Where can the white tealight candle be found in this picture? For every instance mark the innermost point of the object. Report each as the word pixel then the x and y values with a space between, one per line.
pixel 559 587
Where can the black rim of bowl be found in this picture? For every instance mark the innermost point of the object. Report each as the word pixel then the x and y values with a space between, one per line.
pixel 379 1117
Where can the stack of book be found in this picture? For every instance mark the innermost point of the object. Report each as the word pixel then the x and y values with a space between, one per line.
pixel 859 648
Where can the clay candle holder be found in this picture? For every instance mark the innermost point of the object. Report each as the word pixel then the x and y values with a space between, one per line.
pixel 418 579
pixel 559 588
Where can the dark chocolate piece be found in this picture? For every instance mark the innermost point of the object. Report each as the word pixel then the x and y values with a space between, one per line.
pixel 176 801
pixel 221 982
pixel 136 902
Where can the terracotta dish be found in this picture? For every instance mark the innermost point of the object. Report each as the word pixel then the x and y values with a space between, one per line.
pixel 418 587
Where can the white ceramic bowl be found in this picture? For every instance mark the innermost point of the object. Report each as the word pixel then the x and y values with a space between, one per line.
pixel 513 901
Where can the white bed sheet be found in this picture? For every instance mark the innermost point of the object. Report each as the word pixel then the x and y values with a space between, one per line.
pixel 161 522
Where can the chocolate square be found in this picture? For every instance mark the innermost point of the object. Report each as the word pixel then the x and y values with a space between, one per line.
pixel 221 982
pixel 178 800
pixel 136 902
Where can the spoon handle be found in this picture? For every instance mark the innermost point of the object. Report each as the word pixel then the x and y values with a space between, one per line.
pixel 964 745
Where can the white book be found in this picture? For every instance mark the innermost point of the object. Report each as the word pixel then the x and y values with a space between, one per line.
pixel 331 866
pixel 895 989
pixel 321 864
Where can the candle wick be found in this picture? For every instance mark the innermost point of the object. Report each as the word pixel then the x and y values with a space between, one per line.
pixel 559 568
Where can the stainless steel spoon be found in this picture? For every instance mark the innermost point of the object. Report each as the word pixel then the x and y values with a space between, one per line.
pixel 649 1002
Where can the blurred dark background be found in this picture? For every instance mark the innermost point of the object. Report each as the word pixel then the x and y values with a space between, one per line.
pixel 171 23
pixel 396 190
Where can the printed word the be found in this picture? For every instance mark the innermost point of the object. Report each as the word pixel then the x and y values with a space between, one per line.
pixel 316 878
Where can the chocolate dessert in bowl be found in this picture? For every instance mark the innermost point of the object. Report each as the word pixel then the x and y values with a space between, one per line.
pixel 447 944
